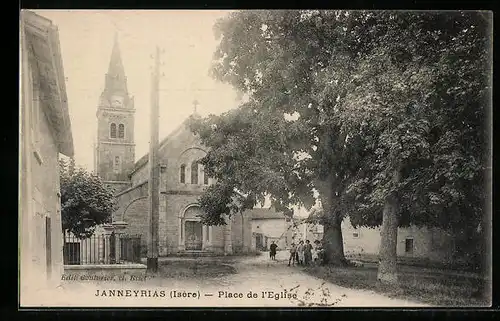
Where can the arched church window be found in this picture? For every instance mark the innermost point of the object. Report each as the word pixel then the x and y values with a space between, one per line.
pixel 183 173
pixel 117 164
pixel 112 130
pixel 194 173
pixel 121 131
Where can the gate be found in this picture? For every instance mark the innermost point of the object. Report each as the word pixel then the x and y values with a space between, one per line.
pixel 112 248
pixel 130 248
pixel 71 253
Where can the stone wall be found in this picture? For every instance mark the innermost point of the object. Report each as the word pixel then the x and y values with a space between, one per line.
pixel 109 271
pixel 117 187
pixel 241 231
pixel 106 156
pixel 136 216
pixel 176 204
pixel 125 198
pixel 172 206
pixel 117 116
pixel 140 175
pixel 182 147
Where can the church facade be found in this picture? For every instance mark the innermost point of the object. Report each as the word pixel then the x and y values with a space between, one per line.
pixel 182 178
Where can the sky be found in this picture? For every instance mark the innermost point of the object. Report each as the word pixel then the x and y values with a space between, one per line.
pixel 187 39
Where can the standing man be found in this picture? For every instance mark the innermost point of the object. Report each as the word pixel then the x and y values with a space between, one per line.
pixel 293 254
pixel 307 252
pixel 272 251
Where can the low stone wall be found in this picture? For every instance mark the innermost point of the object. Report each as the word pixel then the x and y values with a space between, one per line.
pixel 456 264
pixel 103 271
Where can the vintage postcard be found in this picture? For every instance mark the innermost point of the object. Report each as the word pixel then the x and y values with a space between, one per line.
pixel 281 158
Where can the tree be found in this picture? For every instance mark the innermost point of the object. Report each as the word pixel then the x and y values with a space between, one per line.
pixel 420 104
pixel 364 107
pixel 85 201
pixel 286 140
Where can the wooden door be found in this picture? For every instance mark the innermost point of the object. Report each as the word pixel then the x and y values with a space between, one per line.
pixel 259 241
pixel 194 235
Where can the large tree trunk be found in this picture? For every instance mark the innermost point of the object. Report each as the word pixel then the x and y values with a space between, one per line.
pixel 333 241
pixel 387 268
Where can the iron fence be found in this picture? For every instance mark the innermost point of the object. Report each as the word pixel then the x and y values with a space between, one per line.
pixel 131 249
pixel 89 250
pixel 101 249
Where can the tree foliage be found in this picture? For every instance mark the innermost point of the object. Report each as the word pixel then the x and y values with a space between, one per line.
pixel 341 101
pixel 421 107
pixel 285 141
pixel 85 201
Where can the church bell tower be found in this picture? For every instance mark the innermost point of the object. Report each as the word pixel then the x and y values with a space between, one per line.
pixel 115 146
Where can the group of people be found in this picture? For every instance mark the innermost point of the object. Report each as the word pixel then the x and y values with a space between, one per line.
pixel 302 254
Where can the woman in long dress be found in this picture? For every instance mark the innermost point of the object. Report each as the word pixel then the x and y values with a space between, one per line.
pixel 315 252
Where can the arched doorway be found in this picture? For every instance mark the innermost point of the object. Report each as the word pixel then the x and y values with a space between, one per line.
pixel 194 235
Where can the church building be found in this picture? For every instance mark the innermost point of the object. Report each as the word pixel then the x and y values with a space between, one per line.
pixel 182 178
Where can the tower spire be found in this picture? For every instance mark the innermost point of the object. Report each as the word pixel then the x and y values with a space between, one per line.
pixel 115 63
pixel 116 80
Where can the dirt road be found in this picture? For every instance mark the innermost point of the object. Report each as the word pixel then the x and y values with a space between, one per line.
pixel 255 282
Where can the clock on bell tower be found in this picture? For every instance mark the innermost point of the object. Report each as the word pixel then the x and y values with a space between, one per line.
pixel 116 101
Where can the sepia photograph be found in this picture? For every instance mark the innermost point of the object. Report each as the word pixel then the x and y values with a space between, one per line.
pixel 255 158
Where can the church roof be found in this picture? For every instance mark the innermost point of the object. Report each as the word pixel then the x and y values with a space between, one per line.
pixel 264 213
pixel 115 67
pixel 145 159
pixel 116 81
